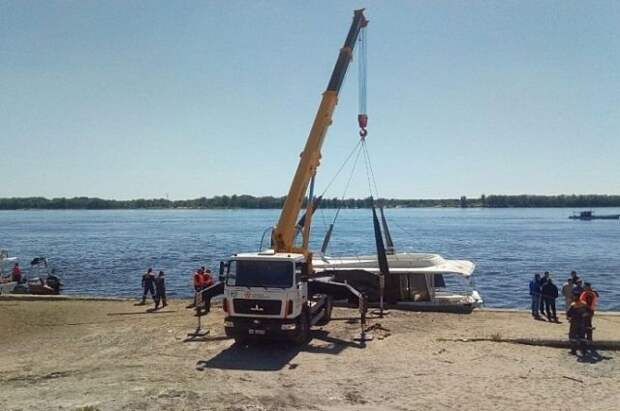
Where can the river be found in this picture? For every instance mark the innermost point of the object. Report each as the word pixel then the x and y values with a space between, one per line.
pixel 105 252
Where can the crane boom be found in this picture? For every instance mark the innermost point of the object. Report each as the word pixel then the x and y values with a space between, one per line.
pixel 283 236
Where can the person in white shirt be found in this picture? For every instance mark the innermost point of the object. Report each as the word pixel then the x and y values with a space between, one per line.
pixel 567 292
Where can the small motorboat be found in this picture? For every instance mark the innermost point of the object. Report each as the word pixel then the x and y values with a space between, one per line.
pixel 589 215
pixel 41 279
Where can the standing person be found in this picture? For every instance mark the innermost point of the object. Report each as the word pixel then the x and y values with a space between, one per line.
pixel 550 294
pixel 577 317
pixel 199 284
pixel 198 280
pixel 574 277
pixel 160 290
pixel 543 281
pixel 148 283
pixel 578 288
pixel 16 273
pixel 567 292
pixel 535 295
pixel 589 297
pixel 207 279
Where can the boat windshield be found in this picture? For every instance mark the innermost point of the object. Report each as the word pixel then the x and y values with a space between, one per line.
pixel 260 273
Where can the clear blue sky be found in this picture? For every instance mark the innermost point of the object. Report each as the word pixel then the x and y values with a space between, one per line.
pixel 128 99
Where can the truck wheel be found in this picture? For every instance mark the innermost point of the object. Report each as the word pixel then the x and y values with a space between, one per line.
pixel 302 334
pixel 327 316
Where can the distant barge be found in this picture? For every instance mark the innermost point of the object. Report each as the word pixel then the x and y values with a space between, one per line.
pixel 589 215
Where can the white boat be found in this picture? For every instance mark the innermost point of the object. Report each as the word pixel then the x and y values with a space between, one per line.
pixel 417 281
pixel 6 263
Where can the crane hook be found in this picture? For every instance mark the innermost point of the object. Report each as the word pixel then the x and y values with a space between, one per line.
pixel 362 121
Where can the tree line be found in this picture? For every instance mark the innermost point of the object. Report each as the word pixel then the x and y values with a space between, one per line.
pixel 252 202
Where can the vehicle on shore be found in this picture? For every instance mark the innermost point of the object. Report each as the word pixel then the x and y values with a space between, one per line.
pixel 589 215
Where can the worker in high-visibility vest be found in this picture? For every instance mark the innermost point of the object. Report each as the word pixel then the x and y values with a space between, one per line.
pixel 589 297
pixel 207 280
pixel 198 280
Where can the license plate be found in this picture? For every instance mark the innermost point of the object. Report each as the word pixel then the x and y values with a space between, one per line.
pixel 256 332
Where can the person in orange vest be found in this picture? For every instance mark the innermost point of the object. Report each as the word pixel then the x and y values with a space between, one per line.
pixel 199 284
pixel 589 297
pixel 576 315
pixel 207 280
pixel 198 280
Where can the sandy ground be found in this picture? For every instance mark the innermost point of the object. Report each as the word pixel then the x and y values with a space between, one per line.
pixel 111 355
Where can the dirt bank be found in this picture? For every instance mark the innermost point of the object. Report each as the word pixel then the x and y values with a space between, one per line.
pixel 112 355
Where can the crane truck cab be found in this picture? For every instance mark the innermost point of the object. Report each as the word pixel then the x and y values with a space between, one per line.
pixel 266 295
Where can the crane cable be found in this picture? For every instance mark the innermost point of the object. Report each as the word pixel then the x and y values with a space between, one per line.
pixel 362 116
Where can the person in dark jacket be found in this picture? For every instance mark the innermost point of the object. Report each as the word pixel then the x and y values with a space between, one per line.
pixel 549 295
pixel 148 285
pixel 576 315
pixel 578 288
pixel 535 295
pixel 574 277
pixel 546 277
pixel 160 290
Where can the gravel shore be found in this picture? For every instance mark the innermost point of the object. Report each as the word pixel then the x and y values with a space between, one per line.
pixel 112 355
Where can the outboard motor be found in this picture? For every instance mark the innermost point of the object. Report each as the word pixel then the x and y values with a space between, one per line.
pixel 54 283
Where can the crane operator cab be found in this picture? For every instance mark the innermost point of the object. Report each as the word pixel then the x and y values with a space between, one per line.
pixel 266 294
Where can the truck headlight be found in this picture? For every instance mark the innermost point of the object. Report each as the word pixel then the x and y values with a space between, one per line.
pixel 287 327
pixel 228 324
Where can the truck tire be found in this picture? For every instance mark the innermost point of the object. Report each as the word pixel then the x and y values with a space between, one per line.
pixel 302 334
pixel 327 316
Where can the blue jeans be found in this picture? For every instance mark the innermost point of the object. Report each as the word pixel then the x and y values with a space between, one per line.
pixel 535 304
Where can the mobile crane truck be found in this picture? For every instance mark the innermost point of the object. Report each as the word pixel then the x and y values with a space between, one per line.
pixel 275 293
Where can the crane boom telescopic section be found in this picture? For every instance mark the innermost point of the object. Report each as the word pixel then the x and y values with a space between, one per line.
pixel 284 233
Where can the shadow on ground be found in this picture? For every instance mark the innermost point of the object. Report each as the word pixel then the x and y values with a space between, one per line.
pixel 274 355
pixel 592 357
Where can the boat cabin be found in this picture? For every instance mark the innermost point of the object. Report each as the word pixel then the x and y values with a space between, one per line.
pixel 415 281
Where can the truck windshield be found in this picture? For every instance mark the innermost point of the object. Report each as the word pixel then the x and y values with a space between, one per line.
pixel 265 273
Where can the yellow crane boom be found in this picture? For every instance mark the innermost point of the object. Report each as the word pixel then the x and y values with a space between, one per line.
pixel 283 236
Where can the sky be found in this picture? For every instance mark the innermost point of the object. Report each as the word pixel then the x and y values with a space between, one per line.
pixel 132 99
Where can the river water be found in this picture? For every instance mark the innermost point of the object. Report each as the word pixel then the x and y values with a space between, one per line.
pixel 105 252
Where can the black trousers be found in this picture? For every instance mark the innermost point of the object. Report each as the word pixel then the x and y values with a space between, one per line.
pixel 160 296
pixel 589 327
pixel 550 308
pixel 149 287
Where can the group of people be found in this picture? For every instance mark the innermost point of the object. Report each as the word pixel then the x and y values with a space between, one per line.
pixel 544 293
pixel 156 286
pixel 202 279
pixel 580 301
